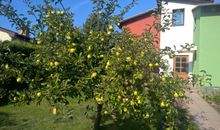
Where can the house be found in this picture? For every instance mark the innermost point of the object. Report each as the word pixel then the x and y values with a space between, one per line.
pixel 9 35
pixel 207 39
pixel 179 14
pixel 139 23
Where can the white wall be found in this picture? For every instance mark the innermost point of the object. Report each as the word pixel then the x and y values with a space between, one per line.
pixel 4 36
pixel 178 35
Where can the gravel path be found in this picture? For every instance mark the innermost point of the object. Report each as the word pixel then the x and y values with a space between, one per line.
pixel 205 116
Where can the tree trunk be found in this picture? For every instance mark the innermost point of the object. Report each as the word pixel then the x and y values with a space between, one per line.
pixel 98 116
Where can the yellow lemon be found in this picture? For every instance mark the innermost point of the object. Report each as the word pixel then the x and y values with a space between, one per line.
pixel 105 112
pixel 202 84
pixel 39 94
pixel 89 56
pixel 135 92
pixel 40 34
pixel 72 50
pixel 135 62
pixel 150 65
pixel 68 37
pixel 51 63
pixel 101 56
pixel 142 54
pixel 128 59
pixel 176 94
pixel 132 103
pixel 146 116
pixel 109 33
pixel 125 109
pixel 94 74
pixel 47 15
pixel 117 53
pixel 56 63
pixel 99 99
pixel 6 66
pixel 74 44
pixel 89 48
pixel 110 27
pixel 100 12
pixel 156 64
pixel 119 49
pixel 54 111
pixel 108 63
pixel 38 42
pixel 18 79
pixel 162 104
pixel 139 101
pixel 181 94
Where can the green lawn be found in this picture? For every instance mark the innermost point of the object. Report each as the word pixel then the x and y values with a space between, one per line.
pixel 40 117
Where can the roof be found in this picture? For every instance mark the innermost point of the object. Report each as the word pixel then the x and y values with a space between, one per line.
pixel 136 16
pixel 200 1
pixel 14 34
pixel 204 1
pixel 205 5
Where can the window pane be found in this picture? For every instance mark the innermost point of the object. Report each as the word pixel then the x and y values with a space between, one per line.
pixel 177 64
pixel 177 59
pixel 178 17
pixel 184 59
pixel 184 67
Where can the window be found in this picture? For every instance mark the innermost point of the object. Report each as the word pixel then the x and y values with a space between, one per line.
pixel 181 64
pixel 178 17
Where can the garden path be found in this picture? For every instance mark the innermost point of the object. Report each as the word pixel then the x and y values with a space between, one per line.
pixel 204 115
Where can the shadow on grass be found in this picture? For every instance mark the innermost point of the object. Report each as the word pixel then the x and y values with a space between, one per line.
pixel 124 125
pixel 183 122
pixel 7 119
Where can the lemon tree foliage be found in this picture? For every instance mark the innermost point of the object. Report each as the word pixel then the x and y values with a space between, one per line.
pixel 119 71
pixel 132 88
pixel 12 57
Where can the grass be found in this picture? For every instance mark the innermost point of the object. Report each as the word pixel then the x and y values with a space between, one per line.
pixel 40 117
pixel 213 99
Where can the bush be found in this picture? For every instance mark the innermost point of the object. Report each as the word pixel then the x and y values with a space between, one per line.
pixel 13 59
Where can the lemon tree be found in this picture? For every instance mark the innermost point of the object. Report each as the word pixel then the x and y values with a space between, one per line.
pixel 119 71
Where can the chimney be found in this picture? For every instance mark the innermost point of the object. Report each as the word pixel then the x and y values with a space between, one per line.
pixel 24 31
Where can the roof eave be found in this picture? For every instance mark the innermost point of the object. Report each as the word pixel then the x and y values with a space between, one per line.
pixel 138 15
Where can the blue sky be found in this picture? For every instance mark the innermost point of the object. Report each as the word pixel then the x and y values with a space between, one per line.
pixel 81 9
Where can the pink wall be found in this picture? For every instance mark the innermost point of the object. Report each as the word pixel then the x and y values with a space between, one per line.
pixel 137 25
